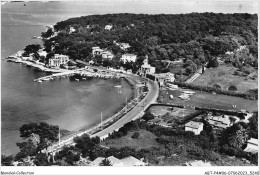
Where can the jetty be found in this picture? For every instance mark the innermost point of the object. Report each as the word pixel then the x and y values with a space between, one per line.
pixel 82 73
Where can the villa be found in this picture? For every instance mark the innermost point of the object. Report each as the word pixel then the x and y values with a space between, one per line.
pixel 147 68
pixel 221 122
pixel 123 46
pixel 58 60
pixel 198 163
pixel 128 161
pixel 108 27
pixel 107 55
pixel 195 127
pixel 252 146
pixel 96 51
pixel 163 78
pixel 128 58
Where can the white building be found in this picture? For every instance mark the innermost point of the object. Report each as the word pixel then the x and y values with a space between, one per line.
pixel 128 58
pixel 96 51
pixel 108 27
pixel 132 161
pixel 128 161
pixel 42 53
pixel 163 78
pixel 198 163
pixel 72 30
pixel 219 121
pixel 91 62
pixel 195 127
pixel 57 60
pixel 107 55
pixel 147 68
pixel 252 146
pixel 19 53
pixel 123 46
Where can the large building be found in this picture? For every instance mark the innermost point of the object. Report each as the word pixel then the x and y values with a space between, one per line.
pixel 147 68
pixel 198 163
pixel 221 122
pixel 163 78
pixel 252 146
pixel 58 60
pixel 128 58
pixel 96 51
pixel 195 127
pixel 127 162
pixel 107 55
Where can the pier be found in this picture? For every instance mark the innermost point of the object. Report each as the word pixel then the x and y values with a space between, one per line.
pixel 82 72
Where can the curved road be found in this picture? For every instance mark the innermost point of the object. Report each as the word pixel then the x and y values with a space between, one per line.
pixel 135 113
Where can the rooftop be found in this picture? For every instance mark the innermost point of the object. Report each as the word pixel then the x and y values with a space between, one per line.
pixel 198 163
pixel 193 124
pixel 223 119
pixel 253 141
pixel 129 55
pixel 132 161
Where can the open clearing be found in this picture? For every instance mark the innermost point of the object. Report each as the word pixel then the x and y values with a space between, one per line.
pixel 204 99
pixel 146 138
pixel 223 76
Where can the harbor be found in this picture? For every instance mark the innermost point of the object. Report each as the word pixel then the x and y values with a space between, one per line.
pixel 79 74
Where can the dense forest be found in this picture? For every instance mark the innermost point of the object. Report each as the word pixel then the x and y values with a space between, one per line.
pixel 195 37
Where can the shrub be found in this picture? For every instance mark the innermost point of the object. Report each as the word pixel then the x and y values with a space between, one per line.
pixel 232 152
pixel 232 88
pixel 216 86
pixel 211 155
pixel 136 135
pixel 247 95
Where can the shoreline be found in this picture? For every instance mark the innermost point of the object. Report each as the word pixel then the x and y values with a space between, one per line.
pixel 117 114
pixel 108 120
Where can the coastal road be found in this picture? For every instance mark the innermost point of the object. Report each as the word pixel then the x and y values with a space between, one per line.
pixel 135 113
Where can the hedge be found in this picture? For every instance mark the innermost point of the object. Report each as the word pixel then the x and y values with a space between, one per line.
pixel 246 95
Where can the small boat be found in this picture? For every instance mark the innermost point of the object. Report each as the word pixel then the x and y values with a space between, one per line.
pixel 76 79
pixel 39 81
pixel 84 78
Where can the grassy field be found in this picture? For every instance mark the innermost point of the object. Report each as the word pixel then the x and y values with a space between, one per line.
pixel 145 141
pixel 168 115
pixel 223 76
pixel 204 99
pixel 178 160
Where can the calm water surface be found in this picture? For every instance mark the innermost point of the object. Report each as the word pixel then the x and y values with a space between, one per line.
pixel 69 104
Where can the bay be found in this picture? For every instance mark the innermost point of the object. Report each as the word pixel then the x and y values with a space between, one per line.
pixel 69 104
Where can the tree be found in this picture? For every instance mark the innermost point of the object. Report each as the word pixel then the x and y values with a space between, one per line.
pixel 27 148
pixel 232 88
pixel 32 49
pixel 46 133
pixel 216 86
pixel 41 160
pixel 105 162
pixel 213 62
pixel 7 160
pixel 86 144
pixel 253 126
pixel 136 135
pixel 148 116
pixel 238 138
pixel 47 34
